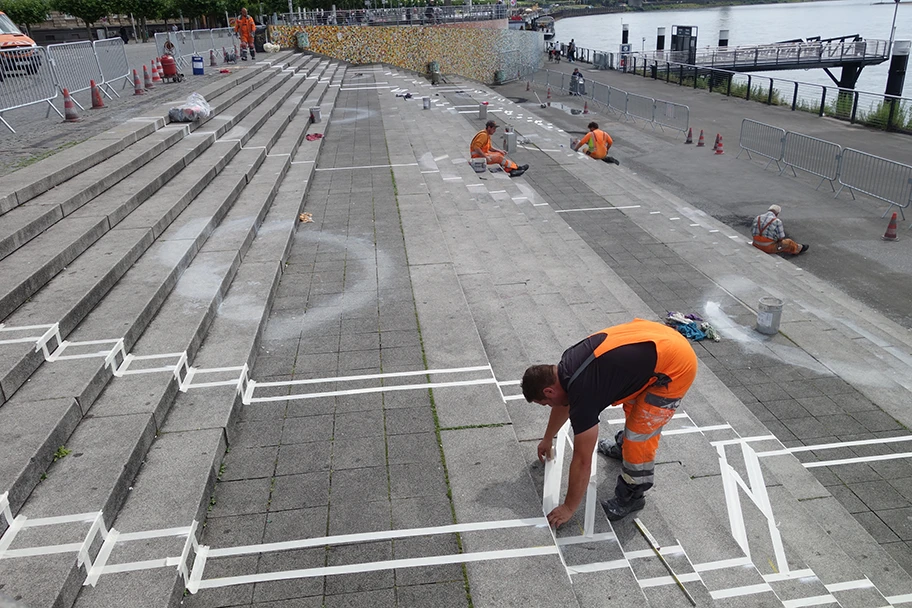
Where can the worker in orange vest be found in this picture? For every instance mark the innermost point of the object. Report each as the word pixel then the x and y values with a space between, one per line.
pixel 481 148
pixel 646 366
pixel 769 234
pixel 596 144
pixel 245 28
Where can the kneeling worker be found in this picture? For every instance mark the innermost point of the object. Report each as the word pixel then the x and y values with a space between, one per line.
pixel 481 148
pixel 648 367
pixel 597 144
pixel 769 234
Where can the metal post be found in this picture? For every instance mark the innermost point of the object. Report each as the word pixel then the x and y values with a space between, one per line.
pixel 795 97
pixel 822 102
pixel 854 108
pixel 748 96
pixel 769 96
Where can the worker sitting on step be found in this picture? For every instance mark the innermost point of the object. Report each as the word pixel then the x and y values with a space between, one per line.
pixel 481 148
pixel 596 144
pixel 769 234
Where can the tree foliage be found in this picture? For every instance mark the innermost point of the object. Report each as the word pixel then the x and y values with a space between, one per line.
pixel 89 11
pixel 26 12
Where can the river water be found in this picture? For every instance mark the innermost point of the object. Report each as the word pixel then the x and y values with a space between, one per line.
pixel 755 24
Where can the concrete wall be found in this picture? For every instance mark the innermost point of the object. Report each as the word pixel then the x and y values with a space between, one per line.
pixel 474 50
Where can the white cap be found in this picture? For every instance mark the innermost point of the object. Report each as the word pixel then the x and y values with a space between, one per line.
pixel 775 209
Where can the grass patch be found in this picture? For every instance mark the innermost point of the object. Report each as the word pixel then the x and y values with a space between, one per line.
pixel 31 160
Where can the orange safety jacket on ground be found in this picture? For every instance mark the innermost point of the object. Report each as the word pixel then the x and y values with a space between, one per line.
pixel 765 243
pixel 598 141
pixel 245 28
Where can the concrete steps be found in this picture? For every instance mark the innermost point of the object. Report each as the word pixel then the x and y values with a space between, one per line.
pixel 111 441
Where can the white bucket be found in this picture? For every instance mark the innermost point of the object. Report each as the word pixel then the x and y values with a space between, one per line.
pixel 479 164
pixel 315 114
pixel 769 313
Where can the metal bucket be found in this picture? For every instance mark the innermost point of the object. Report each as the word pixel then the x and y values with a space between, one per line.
pixel 315 115
pixel 769 314
pixel 479 164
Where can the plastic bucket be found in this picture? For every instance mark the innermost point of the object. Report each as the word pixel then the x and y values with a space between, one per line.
pixel 197 65
pixel 426 101
pixel 769 314
pixel 315 115
pixel 479 164
pixel 482 111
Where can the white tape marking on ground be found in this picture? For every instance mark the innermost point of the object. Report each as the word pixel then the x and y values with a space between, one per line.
pixel 366 167
pixel 863 583
pixel 579 540
pixel 739 591
pixel 697 429
pixel 376 88
pixel 659 581
pixel 376 389
pixel 598 209
pixel 723 563
pixel 745 440
pixel 833 463
pixel 598 566
pixel 420 372
pixel 436 560
pixel 539 204
pixel 646 553
pixel 790 575
pixel 830 446
pixel 654 212
pixel 819 600
pixel 513 397
pixel 906 598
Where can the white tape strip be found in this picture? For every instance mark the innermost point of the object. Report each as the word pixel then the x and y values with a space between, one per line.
pixel 697 429
pixel 376 389
pixel 366 167
pixel 900 599
pixel 739 591
pixel 863 583
pixel 830 446
pixel 789 575
pixel 833 463
pixel 420 372
pixel 579 540
pixel 599 566
pixel 435 560
pixel 819 600
pixel 646 553
pixel 723 563
pixel 659 581
pixel 741 440
pixel 598 209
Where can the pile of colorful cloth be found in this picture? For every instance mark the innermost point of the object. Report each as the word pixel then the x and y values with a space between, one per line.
pixel 692 326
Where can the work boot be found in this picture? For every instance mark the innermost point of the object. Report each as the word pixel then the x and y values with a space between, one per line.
pixel 612 449
pixel 804 248
pixel 611 160
pixel 252 55
pixel 615 509
pixel 518 171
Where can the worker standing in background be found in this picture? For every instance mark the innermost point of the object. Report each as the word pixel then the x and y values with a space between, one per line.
pixel 245 28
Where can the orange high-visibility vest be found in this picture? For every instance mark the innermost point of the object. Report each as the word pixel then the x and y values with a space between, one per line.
pixel 765 243
pixel 598 141
pixel 245 28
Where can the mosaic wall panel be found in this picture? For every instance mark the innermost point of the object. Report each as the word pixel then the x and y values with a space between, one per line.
pixel 471 50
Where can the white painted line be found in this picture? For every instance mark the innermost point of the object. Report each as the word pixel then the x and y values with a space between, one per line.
pixel 597 209
pixel 431 171
pixel 833 463
pixel 520 198
pixel 692 225
pixel 598 566
pixel 697 429
pixel 539 204
pixel 789 575
pixel 723 563
pixel 497 191
pixel 302 162
pixel 436 560
pixel 741 440
pixel 714 231
pixel 420 372
pixel 450 179
pixel 739 591
pixel 863 583
pixel 377 389
pixel 674 219
pixel 437 159
pixel 654 212
pixel 830 446
pixel 367 167
pixel 734 236
pixel 905 598
pixel 647 553
pixel 580 540
pixel 659 581
pixel 818 600
pixel 513 397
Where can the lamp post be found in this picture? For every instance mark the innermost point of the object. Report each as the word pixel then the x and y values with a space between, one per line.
pixel 893 27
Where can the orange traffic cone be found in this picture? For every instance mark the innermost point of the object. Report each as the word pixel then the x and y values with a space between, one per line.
pixel 69 108
pixel 716 143
pixel 97 101
pixel 890 234
pixel 690 137
pixel 719 146
pixel 212 62
pixel 147 80
pixel 156 72
pixel 700 142
pixel 549 97
pixel 585 107
pixel 137 84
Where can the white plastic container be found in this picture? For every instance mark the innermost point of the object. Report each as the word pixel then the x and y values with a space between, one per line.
pixel 315 114
pixel 479 164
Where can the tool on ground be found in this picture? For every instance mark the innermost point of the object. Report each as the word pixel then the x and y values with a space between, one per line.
pixel 890 234
pixel 690 137
pixel 658 551
pixel 540 104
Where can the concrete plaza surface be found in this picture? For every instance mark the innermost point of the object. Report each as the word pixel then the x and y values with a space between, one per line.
pixel 384 341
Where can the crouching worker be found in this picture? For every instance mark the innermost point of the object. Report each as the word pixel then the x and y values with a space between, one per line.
pixel 646 366
pixel 769 234
pixel 481 148
pixel 596 144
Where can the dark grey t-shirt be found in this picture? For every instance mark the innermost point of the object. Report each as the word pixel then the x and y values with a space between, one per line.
pixel 614 375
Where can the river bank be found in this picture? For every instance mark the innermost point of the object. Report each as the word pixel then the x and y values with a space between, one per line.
pixel 666 6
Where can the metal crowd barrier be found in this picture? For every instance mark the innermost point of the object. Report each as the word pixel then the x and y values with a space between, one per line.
pixel 815 156
pixel 222 38
pixel 762 139
pixel 672 115
pixel 878 177
pixel 617 100
pixel 112 61
pixel 640 107
pixel 32 81
pixel 75 65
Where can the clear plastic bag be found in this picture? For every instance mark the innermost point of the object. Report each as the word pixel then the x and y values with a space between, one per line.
pixel 194 108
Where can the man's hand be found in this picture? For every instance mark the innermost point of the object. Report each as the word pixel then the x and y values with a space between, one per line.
pixel 560 515
pixel 544 449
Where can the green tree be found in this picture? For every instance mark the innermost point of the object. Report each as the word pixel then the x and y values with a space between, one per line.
pixel 89 11
pixel 141 10
pixel 26 12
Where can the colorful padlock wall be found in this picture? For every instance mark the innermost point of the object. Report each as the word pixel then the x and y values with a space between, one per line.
pixel 475 50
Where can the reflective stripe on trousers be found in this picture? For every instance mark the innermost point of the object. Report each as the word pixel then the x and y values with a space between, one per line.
pixel 644 420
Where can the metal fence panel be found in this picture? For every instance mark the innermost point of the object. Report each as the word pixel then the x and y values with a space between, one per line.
pixel 640 107
pixel 177 44
pixel 31 80
pixel 112 60
pixel 202 41
pixel 600 93
pixel 617 100
pixel 881 178
pixel 223 38
pixel 816 156
pixel 75 64
pixel 672 115
pixel 763 139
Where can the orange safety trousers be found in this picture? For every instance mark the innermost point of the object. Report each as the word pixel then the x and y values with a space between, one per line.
pixel 496 158
pixel 768 245
pixel 650 408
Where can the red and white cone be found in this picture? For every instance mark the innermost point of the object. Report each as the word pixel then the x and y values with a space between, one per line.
pixel 719 146
pixel 585 107
pixel 147 80
pixel 700 142
pixel 137 84
pixel 69 108
pixel 690 136
pixel 156 72
pixel 890 234
pixel 97 101
pixel 212 62
pixel 716 143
